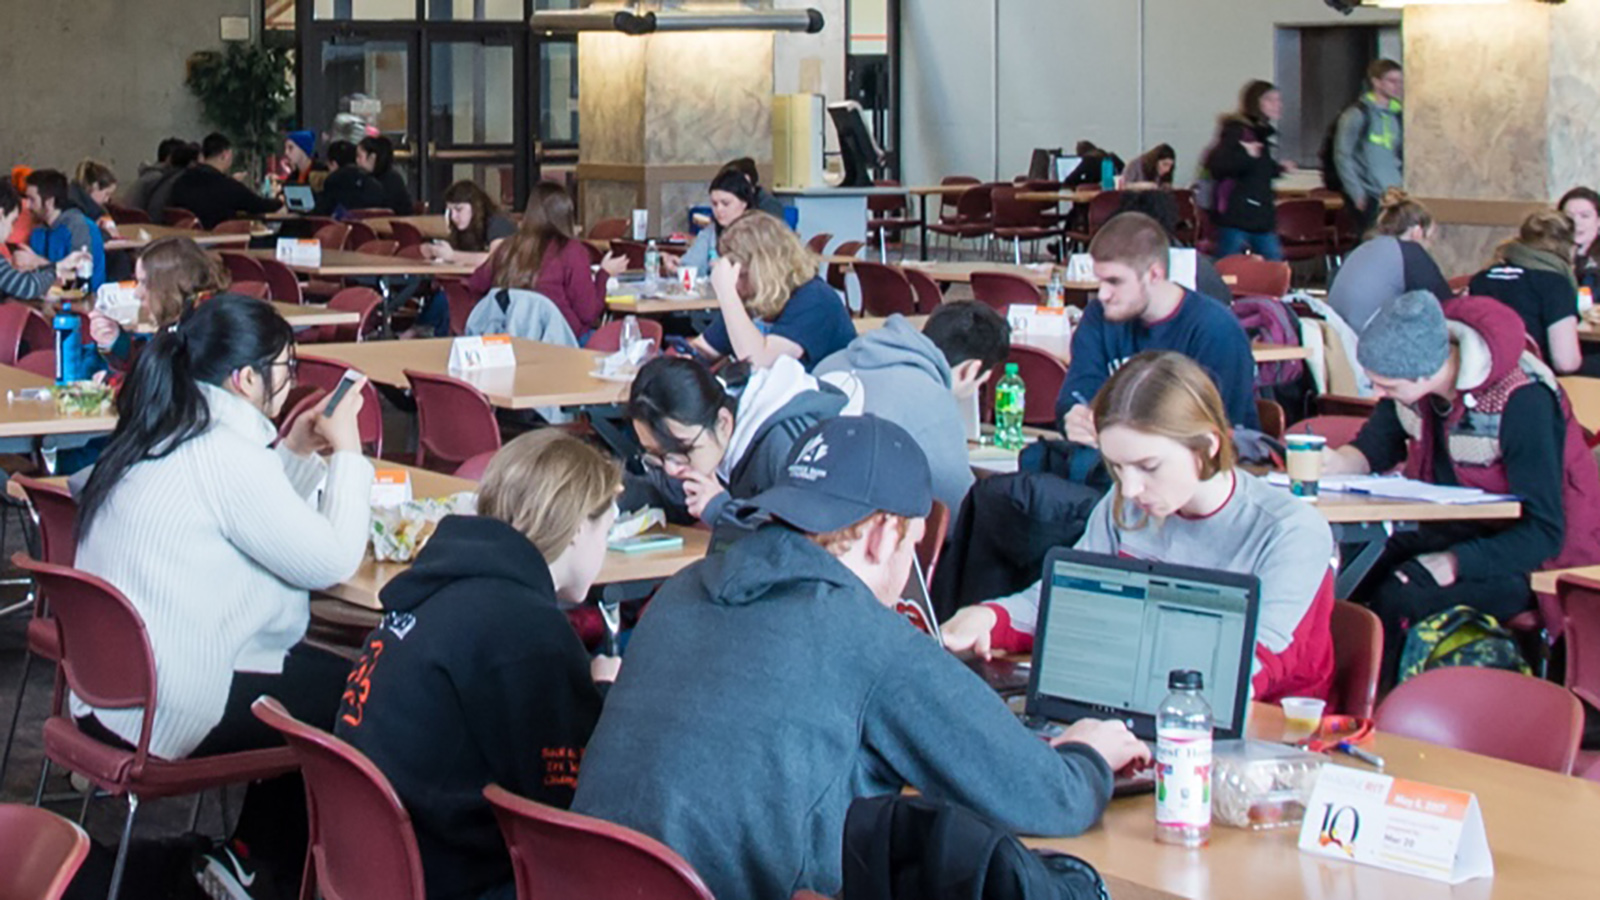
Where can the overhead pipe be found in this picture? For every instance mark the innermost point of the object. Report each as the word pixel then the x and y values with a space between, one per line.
pixel 809 21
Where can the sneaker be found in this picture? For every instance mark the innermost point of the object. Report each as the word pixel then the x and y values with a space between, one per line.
pixel 228 873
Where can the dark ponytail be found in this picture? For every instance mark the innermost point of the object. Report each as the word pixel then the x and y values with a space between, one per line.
pixel 161 405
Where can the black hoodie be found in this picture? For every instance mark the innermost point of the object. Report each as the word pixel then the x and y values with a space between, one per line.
pixel 1250 204
pixel 475 676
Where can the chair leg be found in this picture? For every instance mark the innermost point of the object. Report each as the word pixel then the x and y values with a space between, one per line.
pixel 83 809
pixel 122 848
pixel 16 714
pixel 44 776
pixel 194 813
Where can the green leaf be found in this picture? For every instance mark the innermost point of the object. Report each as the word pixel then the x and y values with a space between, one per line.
pixel 244 92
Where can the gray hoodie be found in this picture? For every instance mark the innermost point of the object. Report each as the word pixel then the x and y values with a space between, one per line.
pixel 1369 147
pixel 905 378
pixel 767 688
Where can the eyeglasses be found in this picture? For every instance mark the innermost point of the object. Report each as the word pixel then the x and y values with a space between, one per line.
pixel 681 458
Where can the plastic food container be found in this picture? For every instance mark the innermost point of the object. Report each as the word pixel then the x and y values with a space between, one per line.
pixel 1259 785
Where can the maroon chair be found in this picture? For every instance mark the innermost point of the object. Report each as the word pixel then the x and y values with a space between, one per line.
pixel 106 661
pixel 929 294
pixel 473 469
pixel 819 243
pixel 1304 231
pixel 932 543
pixel 1018 220
pixel 999 290
pixel 407 234
pixel 1271 415
pixel 1102 207
pixel 608 337
pixel 410 251
pixel 608 230
pixel 1507 715
pixel 333 235
pixel 285 284
pixel 379 248
pixel 1339 430
pixel 325 374
pixel 1578 599
pixel 835 272
pixel 1254 276
pixel 363 301
pixel 555 853
pixel 1042 373
pixel 461 304
pixel 178 217
pixel 362 846
pixel 301 397
pixel 368 212
pixel 455 421
pixel 972 219
pixel 234 226
pixel 22 330
pixel 886 213
pixel 1357 659
pixel 257 289
pixel 39 362
pixel 42 853
pixel 242 267
pixel 360 234
pixel 948 203
pixel 884 291
pixel 126 215
pixel 55 520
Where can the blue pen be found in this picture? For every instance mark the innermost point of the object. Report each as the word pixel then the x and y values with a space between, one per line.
pixel 1371 759
pixel 1078 396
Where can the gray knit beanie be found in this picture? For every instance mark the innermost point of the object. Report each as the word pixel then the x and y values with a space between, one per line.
pixel 1406 339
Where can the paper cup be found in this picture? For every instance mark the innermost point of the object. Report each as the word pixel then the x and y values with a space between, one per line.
pixel 1302 716
pixel 1304 462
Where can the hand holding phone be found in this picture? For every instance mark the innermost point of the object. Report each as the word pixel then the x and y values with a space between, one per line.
pixel 350 378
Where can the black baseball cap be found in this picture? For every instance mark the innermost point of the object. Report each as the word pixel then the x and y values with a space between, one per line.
pixel 845 469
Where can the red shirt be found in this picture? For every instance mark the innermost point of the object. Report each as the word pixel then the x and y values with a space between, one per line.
pixel 566 279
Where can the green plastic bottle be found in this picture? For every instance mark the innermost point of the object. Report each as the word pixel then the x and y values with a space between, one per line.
pixel 1010 396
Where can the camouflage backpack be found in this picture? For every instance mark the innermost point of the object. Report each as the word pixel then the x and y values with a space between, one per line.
pixel 1459 636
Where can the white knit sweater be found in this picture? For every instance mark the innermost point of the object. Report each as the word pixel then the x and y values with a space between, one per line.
pixel 217 546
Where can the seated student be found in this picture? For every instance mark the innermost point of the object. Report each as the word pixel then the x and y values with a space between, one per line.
pixel 137 194
pixel 711 440
pixel 1154 166
pixel 1392 261
pixel 60 229
pixel 474 645
pixel 765 202
pixel 93 185
pixel 1533 275
pixel 375 154
pixel 1466 404
pixel 23 273
pixel 348 186
pixel 544 256
pixel 213 195
pixel 1160 206
pixel 170 275
pixel 300 157
pixel 732 195
pixel 772 302
pixel 1178 498
pixel 477 226
pixel 217 538
pixel 924 381
pixel 771 685
pixel 1088 170
pixel 184 157
pixel 1138 309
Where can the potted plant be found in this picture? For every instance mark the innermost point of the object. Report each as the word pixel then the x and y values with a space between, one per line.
pixel 245 92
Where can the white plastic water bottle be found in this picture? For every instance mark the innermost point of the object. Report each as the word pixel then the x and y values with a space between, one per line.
pixel 1056 294
pixel 652 263
pixel 630 332
pixel 1183 763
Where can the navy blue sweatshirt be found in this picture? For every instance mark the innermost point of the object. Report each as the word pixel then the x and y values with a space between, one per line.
pixel 474 677
pixel 1201 328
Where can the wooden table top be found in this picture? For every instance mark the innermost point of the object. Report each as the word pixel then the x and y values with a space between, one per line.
pixel 658 305
pixel 1545 582
pixel 1060 346
pixel 545 374
pixel 1588 330
pixel 304 315
pixel 961 272
pixel 348 264
pixel 136 236
pixel 1348 509
pixel 1540 825
pixel 33 418
pixel 1081 195
pixel 432 226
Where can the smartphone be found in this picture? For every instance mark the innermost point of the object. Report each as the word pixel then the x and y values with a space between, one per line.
pixel 351 376
pixel 644 542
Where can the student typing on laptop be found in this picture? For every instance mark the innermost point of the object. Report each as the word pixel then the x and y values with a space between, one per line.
pixel 1179 499
pixel 772 684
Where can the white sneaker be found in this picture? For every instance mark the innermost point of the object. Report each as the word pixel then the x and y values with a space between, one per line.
pixel 222 875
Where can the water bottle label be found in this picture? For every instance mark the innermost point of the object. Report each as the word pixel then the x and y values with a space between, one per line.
pixel 1183 777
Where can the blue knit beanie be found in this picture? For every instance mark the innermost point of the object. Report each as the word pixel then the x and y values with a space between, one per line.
pixel 305 140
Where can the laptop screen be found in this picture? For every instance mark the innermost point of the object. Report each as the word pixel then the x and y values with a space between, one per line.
pixel 1111 630
pixel 1066 165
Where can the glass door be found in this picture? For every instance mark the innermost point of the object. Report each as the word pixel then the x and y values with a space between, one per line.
pixel 476 125
pixel 360 79
pixel 555 154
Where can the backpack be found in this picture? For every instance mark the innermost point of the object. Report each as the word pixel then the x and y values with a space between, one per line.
pixel 1272 321
pixel 917 848
pixel 1459 636
pixel 1330 171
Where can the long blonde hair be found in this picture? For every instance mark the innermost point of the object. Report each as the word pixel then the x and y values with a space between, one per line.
pixel 1169 395
pixel 546 484
pixel 775 262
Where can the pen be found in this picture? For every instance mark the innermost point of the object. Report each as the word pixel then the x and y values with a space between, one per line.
pixel 1078 396
pixel 1371 759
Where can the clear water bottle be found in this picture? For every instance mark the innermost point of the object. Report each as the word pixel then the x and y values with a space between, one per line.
pixel 1056 293
pixel 68 327
pixel 1108 177
pixel 1183 763
pixel 630 332
pixel 85 269
pixel 652 263
pixel 1010 396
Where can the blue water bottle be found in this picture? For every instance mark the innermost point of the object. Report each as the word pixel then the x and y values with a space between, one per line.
pixel 1108 178
pixel 68 327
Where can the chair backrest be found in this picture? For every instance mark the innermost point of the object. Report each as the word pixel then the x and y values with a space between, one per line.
pixel 929 294
pixel 455 421
pixel 55 512
pixel 608 230
pixel 1494 712
pixel 406 233
pixel 819 242
pixel 1339 430
pixel 178 217
pixel 1042 373
pixel 608 337
pixel 243 268
pixel 1584 393
pixel 1304 221
pixel 284 283
pixel 234 226
pixel 362 844
pixel 360 234
pixel 932 543
pixel 1579 602
pixel 976 205
pixel 835 273
pixel 333 235
pixel 555 853
pixel 257 289
pixel 884 291
pixel 124 215
pixel 13 318
pixel 1273 420
pixel 43 852
pixel 1254 276
pixel 461 303
pixel 39 362
pixel 1357 659
pixel 885 203
pixel 301 397
pixel 1009 212
pixel 1104 205
pixel 379 248
pixel 473 469
pixel 362 300
pixel 325 374
pixel 409 251
pixel 951 201
pixel 1001 289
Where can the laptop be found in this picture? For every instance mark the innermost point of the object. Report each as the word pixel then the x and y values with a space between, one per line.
pixel 1110 630
pixel 1004 676
pixel 1066 165
pixel 299 198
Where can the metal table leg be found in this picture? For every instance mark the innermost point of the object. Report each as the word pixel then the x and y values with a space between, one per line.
pixel 925 225
pixel 1371 537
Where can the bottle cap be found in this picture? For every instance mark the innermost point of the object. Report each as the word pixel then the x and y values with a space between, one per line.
pixel 1011 368
pixel 1184 680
